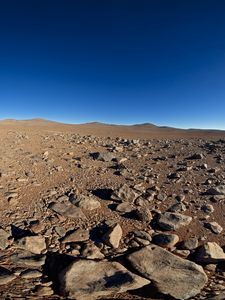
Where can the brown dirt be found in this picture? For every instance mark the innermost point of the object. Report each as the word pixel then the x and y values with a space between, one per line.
pixel 26 170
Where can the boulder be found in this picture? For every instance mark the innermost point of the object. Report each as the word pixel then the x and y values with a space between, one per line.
pixel 172 275
pixel 88 279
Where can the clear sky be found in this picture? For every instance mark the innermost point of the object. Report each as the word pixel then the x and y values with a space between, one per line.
pixel 114 61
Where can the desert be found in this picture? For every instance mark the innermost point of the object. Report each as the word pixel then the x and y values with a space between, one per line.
pixel 97 211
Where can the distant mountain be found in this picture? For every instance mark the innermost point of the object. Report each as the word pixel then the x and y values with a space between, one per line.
pixel 145 124
pixel 140 127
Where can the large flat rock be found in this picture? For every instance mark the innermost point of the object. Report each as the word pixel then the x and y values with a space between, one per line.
pixel 86 280
pixel 173 221
pixel 172 275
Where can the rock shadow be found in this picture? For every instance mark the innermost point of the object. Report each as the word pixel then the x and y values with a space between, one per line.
pixel 104 194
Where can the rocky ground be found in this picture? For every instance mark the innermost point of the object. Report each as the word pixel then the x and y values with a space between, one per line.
pixel 86 217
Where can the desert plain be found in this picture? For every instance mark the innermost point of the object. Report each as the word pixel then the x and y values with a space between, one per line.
pixel 96 211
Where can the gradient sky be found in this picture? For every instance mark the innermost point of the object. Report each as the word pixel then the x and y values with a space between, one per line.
pixel 114 61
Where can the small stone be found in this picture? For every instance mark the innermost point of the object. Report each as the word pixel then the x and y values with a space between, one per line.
pixel 142 242
pixel 29 274
pixel 4 239
pixel 214 227
pixel 165 240
pixel 113 236
pixel 11 195
pixel 124 207
pixel 208 208
pixel 43 291
pixel 103 156
pixel 34 244
pixel 219 190
pixel 189 244
pixel 143 235
pixel 210 267
pixel 182 253
pixel 143 214
pixel 91 251
pixel 177 207
pixel 77 235
pixel 37 227
pixel 196 156
pixel 61 231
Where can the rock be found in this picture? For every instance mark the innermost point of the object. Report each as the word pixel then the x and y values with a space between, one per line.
pixel 124 194
pixel 30 274
pixel 143 214
pixel 210 253
pixel 173 221
pixel 77 235
pixel 165 240
pixel 10 195
pixel 177 207
pixel 34 244
pixel 219 190
pixel 174 176
pixel 6 276
pixel 103 156
pixel 143 235
pixel 172 275
pixel 43 291
pixel 85 202
pixel 141 242
pixel 124 207
pixel 113 236
pixel 37 226
pixel 214 227
pixel 196 156
pixel 182 253
pixel 61 231
pixel 29 259
pixel 91 251
pixel 86 280
pixel 189 244
pixel 67 210
pixel 4 239
pixel 161 197
pixel 208 208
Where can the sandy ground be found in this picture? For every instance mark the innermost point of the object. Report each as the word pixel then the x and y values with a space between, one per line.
pixel 41 161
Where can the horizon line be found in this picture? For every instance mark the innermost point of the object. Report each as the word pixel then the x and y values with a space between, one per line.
pixel 114 124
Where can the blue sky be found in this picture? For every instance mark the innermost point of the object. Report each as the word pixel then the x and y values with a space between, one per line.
pixel 120 61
